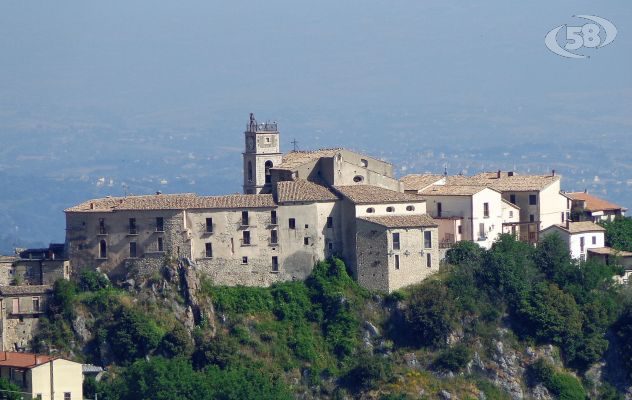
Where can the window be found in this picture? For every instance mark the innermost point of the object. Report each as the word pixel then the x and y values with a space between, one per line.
pixel 439 210
pixel 390 209
pixel 481 230
pixel 209 225
pixel 306 241
pixel 244 218
pixel 486 210
pixel 581 244
pixel 292 223
pixel 275 264
pixel 429 260
pixel 273 217
pixel 427 239
pixel 103 249
pixel 208 250
pixel 330 245
pixel 274 236
pixel 562 216
pixel 102 230
pixel 245 238
pixel 161 246
pixel 268 165
pixel 67 396
pixel 512 198
pixel 244 260
pixel 330 222
pixel 582 257
pixel 410 208
pixel 396 241
pixel 364 162
pixel 36 304
pixel 533 200
pixel 132 249
pixel 370 210
pixel 132 226
pixel 38 396
pixel 396 261
pixel 306 226
pixel 594 240
pixel 249 171
pixel 531 218
pixel 460 229
pixel 16 305
pixel 358 179
pixel 510 213
pixel 160 224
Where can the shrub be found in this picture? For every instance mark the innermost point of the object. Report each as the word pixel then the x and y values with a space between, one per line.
pixel 177 342
pixel 92 281
pixel 133 335
pixel 464 252
pixel 367 374
pixel 563 386
pixel 453 359
pixel 5 386
pixel 430 313
pixel 215 351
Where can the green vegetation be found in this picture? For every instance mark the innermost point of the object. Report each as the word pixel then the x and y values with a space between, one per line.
pixel 619 233
pixel 309 338
pixel 8 391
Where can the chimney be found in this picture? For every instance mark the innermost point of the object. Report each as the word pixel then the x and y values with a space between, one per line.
pixel 553 172
pixel 92 206
pixel 510 173
pixel 158 192
pixel 585 190
pixel 498 174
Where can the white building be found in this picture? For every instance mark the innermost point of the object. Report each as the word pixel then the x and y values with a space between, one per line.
pixel 586 207
pixel 580 237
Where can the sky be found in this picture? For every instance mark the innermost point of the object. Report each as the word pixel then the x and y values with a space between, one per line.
pixel 377 76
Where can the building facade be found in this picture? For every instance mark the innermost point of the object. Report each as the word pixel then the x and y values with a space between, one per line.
pixel 580 237
pixel 586 207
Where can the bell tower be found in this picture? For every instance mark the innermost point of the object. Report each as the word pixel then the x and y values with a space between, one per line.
pixel 262 152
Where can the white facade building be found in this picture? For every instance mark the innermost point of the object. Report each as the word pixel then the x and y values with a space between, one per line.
pixel 580 237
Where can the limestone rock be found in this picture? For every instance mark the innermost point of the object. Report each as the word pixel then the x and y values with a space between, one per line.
pixel 371 329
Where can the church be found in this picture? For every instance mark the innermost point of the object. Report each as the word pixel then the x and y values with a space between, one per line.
pixel 297 208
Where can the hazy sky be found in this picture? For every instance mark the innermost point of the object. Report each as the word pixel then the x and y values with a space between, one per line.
pixel 142 62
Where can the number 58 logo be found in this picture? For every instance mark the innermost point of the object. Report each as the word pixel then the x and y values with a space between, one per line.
pixel 589 35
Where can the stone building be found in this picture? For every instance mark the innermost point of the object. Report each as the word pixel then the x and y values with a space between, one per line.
pixel 25 285
pixel 298 208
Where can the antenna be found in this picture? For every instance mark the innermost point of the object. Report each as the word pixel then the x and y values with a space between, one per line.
pixel 445 169
pixel 295 144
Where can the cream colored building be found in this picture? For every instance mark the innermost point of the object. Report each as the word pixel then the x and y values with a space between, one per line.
pixel 394 251
pixel 538 197
pixel 586 207
pixel 43 376
pixel 299 208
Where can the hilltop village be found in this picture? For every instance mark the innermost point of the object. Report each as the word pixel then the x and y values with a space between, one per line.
pixel 298 208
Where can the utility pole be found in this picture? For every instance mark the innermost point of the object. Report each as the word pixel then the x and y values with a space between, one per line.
pixel 295 143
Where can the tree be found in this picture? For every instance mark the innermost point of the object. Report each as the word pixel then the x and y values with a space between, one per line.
pixel 133 335
pixel 619 233
pixel 464 252
pixel 430 313
pixel 7 390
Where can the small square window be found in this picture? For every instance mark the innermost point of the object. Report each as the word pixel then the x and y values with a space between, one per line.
pixel 244 260
pixel 533 200
pixel 306 226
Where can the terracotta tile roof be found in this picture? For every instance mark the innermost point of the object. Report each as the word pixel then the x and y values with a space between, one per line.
pixel 302 190
pixel 183 201
pixel 419 182
pixel 594 203
pixel 506 183
pixel 295 159
pixel 23 360
pixel 24 289
pixel 610 251
pixel 449 190
pixel 8 259
pixel 369 194
pixel 402 221
pixel 580 227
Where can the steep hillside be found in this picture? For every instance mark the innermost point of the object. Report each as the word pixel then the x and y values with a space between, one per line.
pixel 509 323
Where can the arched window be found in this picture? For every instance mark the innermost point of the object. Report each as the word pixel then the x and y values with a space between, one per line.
pixel 250 171
pixel 390 209
pixel 103 249
pixel 370 210
pixel 268 165
pixel 358 178
pixel 410 208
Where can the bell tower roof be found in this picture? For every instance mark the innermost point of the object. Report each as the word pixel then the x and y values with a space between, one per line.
pixel 256 127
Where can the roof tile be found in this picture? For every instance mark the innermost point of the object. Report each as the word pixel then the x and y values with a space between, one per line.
pixel 369 194
pixel 402 221
pixel 302 190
